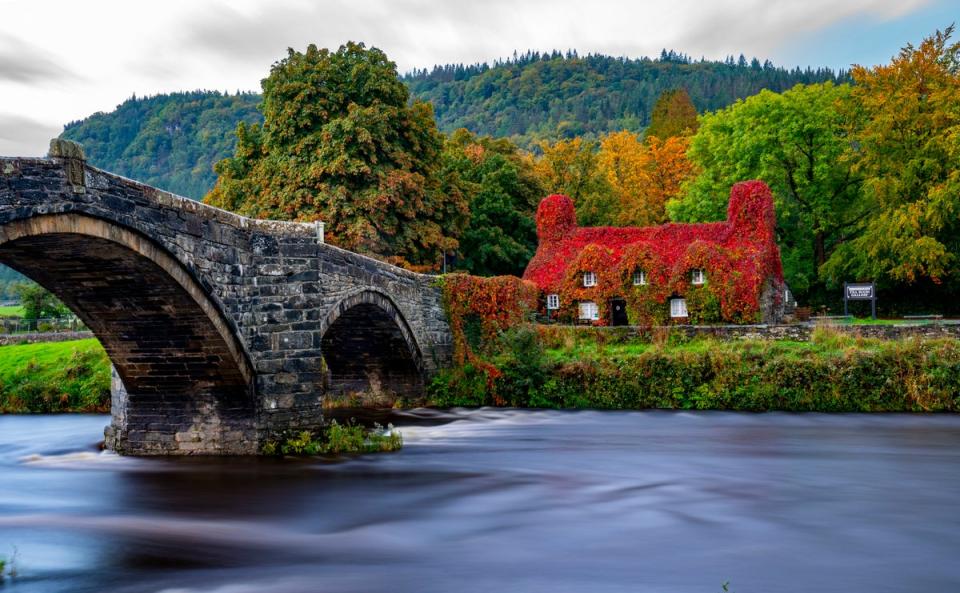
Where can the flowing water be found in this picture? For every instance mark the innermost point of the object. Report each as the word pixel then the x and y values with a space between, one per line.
pixel 500 501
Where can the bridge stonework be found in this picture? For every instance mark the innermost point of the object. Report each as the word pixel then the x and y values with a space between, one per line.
pixel 223 331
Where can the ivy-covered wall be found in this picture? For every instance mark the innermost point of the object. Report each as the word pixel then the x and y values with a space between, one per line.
pixel 739 257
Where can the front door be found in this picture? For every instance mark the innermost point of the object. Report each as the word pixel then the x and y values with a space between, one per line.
pixel 618 312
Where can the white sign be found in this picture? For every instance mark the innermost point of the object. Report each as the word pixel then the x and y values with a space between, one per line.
pixel 860 292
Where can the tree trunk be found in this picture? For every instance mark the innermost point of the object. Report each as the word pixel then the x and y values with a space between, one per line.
pixel 819 250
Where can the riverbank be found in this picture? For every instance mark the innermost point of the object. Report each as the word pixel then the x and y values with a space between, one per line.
pixel 54 377
pixel 563 367
pixel 566 367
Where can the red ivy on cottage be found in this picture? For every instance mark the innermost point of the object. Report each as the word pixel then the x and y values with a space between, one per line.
pixel 739 257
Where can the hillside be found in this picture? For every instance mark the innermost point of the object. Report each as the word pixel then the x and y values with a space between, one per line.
pixel 169 141
pixel 549 96
pixel 172 141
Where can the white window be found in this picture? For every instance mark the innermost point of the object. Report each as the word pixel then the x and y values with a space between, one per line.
pixel 553 301
pixel 678 307
pixel 589 311
pixel 589 279
pixel 639 278
pixel 699 276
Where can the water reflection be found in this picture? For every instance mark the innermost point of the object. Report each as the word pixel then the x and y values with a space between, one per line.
pixel 500 500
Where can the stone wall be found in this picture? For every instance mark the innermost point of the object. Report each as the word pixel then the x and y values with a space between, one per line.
pixel 36 338
pixel 216 323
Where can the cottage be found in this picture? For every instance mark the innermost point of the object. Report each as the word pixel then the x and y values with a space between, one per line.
pixel 682 273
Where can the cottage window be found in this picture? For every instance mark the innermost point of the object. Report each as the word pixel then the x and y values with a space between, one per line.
pixel 589 311
pixel 639 278
pixel 553 302
pixel 699 276
pixel 678 307
pixel 589 279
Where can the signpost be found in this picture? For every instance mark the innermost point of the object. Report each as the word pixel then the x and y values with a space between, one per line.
pixel 860 291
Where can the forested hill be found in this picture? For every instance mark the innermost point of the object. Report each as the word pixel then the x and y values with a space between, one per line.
pixel 172 141
pixel 168 141
pixel 548 96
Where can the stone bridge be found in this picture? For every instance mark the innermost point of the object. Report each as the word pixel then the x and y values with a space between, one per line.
pixel 223 331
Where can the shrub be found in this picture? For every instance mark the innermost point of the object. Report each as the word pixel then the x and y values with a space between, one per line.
pixel 337 439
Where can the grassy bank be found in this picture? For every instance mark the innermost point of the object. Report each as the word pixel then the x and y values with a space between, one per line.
pixel 54 377
pixel 11 311
pixel 554 368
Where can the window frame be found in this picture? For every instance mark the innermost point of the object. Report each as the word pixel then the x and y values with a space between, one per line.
pixel 553 302
pixel 593 307
pixel 698 277
pixel 681 303
pixel 592 276
pixel 639 277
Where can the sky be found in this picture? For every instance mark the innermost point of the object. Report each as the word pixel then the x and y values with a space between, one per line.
pixel 62 60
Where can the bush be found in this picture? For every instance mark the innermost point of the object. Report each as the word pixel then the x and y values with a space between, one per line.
pixel 834 373
pixel 337 439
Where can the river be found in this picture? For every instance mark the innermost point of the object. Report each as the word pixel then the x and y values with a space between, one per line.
pixel 500 501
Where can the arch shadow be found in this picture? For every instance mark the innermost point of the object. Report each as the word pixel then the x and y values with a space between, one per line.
pixel 371 355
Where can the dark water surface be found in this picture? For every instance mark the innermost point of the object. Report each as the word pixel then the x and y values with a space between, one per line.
pixel 501 501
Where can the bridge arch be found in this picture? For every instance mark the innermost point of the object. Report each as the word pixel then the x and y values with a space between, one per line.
pixel 188 381
pixel 369 349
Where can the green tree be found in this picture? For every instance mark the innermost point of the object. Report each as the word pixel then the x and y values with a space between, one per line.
pixel 797 142
pixel 909 156
pixel 503 193
pixel 341 142
pixel 38 303
pixel 673 115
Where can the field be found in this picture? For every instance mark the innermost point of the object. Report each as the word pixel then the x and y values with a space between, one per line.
pixel 54 377
pixel 11 311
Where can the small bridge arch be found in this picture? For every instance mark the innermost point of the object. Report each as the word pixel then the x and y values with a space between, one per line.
pixel 370 350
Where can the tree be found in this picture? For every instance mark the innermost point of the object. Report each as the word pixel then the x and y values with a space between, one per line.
pixel 797 142
pixel 570 167
pixel 38 303
pixel 503 193
pixel 643 175
pixel 673 115
pixel 908 153
pixel 342 143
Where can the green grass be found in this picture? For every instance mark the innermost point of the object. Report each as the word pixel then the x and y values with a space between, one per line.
pixel 54 377
pixel 823 342
pixel 11 311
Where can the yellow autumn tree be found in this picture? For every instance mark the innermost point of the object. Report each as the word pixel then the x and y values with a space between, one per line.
pixel 643 175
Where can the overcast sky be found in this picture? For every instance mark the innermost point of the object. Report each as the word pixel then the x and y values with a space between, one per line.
pixel 62 60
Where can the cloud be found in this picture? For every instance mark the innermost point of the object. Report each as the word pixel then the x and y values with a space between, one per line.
pixel 420 33
pixel 23 63
pixel 23 136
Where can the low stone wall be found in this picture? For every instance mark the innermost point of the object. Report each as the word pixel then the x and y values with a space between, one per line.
pixel 7 340
pixel 799 332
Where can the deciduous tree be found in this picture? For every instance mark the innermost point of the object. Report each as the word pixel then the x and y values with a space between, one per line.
pixel 502 192
pixel 643 175
pixel 797 142
pixel 570 167
pixel 908 153
pixel 342 143
pixel 673 115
